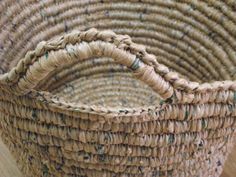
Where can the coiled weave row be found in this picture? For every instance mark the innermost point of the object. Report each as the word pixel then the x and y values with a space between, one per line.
pixel 118 88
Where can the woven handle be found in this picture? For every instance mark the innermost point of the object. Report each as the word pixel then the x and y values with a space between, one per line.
pixel 76 46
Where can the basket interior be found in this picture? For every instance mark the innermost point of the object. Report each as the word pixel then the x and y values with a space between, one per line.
pixel 99 81
pixel 186 37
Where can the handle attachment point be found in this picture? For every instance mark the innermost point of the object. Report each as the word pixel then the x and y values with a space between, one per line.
pixel 136 64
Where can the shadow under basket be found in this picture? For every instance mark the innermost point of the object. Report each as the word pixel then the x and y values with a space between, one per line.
pixel 80 97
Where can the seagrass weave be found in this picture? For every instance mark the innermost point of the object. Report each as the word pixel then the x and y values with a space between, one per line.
pixel 101 88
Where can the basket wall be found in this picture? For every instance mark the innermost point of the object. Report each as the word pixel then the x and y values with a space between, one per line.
pixel 149 92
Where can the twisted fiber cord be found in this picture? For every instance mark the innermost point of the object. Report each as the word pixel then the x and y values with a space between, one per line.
pixel 145 73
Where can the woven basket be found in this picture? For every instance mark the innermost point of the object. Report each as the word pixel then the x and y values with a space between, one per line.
pixel 79 101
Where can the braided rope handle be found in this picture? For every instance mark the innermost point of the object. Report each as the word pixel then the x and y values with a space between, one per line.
pixel 76 46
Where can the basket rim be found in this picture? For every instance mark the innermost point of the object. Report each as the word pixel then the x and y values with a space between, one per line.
pixel 180 85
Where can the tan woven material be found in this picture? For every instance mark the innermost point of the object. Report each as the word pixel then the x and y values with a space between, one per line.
pixel 118 88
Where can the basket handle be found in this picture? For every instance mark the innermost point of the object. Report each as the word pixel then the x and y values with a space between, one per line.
pixel 47 56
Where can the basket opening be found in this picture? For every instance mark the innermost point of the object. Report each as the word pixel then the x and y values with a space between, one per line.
pixel 99 81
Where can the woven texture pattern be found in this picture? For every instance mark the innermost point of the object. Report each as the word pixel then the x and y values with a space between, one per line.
pixel 118 88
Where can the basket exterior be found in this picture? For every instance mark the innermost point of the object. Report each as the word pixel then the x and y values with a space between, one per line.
pixel 182 51
pixel 48 142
